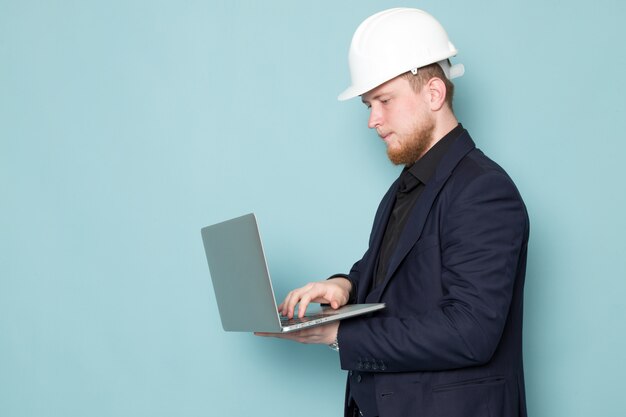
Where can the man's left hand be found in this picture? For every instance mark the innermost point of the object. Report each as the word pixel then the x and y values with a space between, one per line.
pixel 323 335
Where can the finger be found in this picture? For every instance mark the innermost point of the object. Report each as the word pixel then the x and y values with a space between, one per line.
pixel 263 334
pixel 304 303
pixel 291 302
pixel 294 298
pixel 274 335
pixel 293 336
pixel 337 299
pixel 284 306
pixel 342 300
pixel 306 293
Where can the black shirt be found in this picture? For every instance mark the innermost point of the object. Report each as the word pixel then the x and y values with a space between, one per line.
pixel 413 179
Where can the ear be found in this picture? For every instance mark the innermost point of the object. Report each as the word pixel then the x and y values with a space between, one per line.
pixel 436 93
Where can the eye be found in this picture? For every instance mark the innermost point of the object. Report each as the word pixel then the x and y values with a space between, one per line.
pixel 385 101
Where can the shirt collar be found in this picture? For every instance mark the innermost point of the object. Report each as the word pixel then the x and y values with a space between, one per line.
pixel 425 167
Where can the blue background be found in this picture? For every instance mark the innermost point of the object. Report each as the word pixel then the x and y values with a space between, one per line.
pixel 126 126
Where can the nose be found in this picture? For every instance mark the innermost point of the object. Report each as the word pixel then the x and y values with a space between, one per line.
pixel 375 118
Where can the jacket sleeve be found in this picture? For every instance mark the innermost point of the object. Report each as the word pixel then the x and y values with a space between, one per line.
pixel 482 235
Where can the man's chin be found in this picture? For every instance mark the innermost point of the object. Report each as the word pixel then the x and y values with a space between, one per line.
pixel 396 158
pixel 404 156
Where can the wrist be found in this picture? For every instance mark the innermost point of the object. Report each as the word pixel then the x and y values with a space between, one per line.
pixel 334 345
pixel 334 340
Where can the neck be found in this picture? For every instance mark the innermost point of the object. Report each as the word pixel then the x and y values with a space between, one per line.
pixel 444 123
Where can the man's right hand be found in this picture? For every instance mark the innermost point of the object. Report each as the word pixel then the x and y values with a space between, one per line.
pixel 335 291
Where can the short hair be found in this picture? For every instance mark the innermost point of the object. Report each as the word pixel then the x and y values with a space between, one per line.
pixel 424 74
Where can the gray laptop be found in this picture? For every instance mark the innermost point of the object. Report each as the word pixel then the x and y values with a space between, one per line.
pixel 243 289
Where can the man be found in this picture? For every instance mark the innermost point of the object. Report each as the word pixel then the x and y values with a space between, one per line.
pixel 447 252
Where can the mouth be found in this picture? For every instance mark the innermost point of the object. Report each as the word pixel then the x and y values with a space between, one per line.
pixel 385 136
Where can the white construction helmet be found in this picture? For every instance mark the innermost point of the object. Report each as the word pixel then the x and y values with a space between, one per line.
pixel 393 42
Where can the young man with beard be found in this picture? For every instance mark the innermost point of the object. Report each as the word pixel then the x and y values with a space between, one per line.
pixel 447 252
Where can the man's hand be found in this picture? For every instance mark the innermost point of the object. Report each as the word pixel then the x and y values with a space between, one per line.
pixel 335 292
pixel 324 334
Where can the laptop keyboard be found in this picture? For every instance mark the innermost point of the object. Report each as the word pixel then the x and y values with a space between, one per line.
pixel 286 321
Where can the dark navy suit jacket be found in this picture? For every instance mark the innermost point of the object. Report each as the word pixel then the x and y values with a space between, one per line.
pixel 449 342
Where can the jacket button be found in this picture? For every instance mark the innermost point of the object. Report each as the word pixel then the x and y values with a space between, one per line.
pixel 350 373
pixel 359 378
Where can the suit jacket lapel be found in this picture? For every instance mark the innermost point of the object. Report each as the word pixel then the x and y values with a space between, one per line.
pixel 415 224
